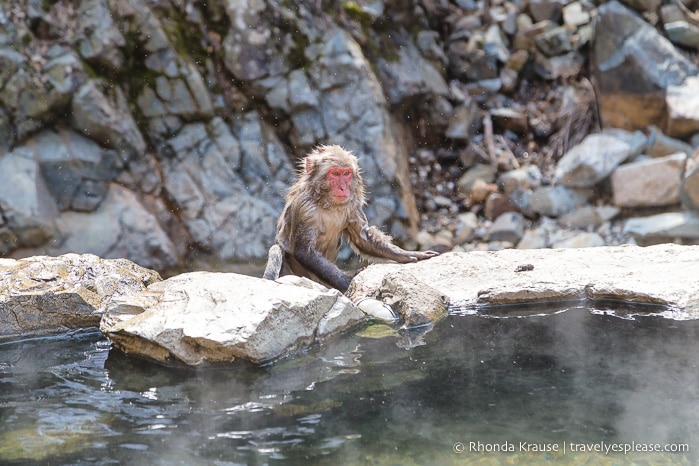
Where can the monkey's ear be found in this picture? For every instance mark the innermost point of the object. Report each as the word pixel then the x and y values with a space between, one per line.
pixel 309 163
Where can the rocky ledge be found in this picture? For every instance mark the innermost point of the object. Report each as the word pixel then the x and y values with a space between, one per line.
pixel 204 318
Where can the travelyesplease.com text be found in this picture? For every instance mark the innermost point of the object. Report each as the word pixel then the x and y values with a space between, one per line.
pixel 569 447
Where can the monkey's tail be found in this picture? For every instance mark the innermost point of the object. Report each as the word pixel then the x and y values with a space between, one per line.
pixel 274 263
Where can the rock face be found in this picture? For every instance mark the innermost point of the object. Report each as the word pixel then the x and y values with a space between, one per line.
pixel 665 274
pixel 45 295
pixel 205 317
pixel 202 163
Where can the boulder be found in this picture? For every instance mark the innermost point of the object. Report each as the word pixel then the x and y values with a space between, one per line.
pixel 683 108
pixel 43 295
pixel 588 216
pixel 28 210
pixel 591 161
pixel 582 239
pixel 664 227
pixel 101 112
pixel 122 226
pixel 648 183
pixel 660 144
pixel 508 226
pixel 631 94
pixel 201 318
pixel 554 201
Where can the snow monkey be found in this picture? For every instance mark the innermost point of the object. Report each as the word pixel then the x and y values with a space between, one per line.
pixel 326 204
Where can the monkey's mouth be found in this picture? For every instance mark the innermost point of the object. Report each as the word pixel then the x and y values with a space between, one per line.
pixel 341 199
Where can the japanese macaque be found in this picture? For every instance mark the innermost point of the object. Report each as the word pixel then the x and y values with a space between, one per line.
pixel 325 205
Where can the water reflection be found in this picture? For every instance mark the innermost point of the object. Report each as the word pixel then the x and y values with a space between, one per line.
pixel 407 398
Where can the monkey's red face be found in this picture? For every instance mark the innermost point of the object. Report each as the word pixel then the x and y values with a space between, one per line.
pixel 340 181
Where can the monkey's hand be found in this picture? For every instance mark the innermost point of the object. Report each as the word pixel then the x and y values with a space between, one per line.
pixel 422 255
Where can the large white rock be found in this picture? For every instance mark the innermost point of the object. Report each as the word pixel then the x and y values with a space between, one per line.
pixel 666 274
pixel 202 317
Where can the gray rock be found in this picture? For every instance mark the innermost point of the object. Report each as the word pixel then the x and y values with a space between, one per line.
pixel 464 121
pixel 28 209
pixel 660 145
pixel 469 62
pixel 495 43
pixel 683 108
pixel 246 53
pixel 204 318
pixel 46 295
pixel 623 46
pixel 654 182
pixel 537 238
pixel 667 226
pixel 100 111
pixel 637 140
pixel 66 74
pixel 541 10
pixel 10 63
pixel 591 161
pixel 101 41
pixel 588 216
pixel 77 171
pixel 120 227
pixel 409 75
pixel 224 210
pixel 689 189
pixel 575 15
pixel 559 66
pixel 678 28
pixel 477 172
pixel 556 41
pixel 554 201
pixel 524 178
pixel 507 227
pixel 581 239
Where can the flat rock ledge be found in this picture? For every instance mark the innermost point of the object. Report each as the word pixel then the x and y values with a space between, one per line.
pixel 665 274
pixel 207 318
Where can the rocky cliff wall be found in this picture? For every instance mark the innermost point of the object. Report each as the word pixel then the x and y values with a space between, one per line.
pixel 162 131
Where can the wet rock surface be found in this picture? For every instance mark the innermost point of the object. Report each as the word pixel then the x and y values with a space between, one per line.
pixel 48 295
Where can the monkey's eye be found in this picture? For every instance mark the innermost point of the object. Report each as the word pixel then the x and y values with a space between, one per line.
pixel 335 172
pixel 347 172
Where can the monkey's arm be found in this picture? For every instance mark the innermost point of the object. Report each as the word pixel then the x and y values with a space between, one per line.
pixel 306 254
pixel 370 242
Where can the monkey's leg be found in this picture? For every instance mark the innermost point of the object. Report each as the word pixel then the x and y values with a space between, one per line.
pixel 275 259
